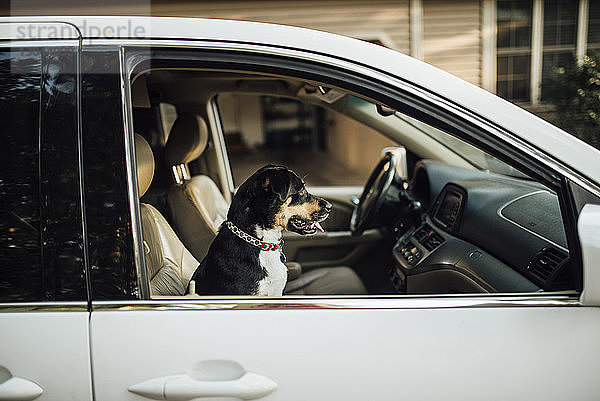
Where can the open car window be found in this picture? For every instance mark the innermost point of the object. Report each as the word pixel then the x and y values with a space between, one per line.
pixel 459 221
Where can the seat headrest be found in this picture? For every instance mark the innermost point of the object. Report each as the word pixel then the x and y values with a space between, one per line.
pixel 187 140
pixel 145 164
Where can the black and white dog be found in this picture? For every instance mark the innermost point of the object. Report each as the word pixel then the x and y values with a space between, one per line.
pixel 246 257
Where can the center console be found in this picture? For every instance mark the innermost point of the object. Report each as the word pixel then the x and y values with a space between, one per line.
pixel 419 242
pixel 411 249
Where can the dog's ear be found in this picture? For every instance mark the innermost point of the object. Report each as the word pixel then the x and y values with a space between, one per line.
pixel 243 197
pixel 278 183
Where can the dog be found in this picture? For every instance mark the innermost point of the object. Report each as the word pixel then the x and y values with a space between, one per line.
pixel 246 256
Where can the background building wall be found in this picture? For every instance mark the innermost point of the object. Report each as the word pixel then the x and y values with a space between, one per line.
pixel 452 37
pixel 447 35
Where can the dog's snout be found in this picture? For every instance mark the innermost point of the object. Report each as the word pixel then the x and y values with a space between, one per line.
pixel 325 205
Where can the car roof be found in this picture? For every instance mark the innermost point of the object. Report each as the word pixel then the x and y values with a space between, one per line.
pixel 528 127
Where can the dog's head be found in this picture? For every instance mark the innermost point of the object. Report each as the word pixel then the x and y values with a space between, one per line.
pixel 275 197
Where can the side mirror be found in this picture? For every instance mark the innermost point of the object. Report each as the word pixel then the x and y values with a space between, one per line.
pixel 402 164
pixel 588 228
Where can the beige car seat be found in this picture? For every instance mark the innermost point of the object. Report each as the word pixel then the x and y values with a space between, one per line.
pixel 169 264
pixel 196 205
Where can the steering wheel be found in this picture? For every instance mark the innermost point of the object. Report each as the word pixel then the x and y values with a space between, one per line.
pixel 371 199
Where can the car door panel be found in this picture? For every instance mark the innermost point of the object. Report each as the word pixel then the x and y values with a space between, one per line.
pixel 339 248
pixel 341 354
pixel 50 349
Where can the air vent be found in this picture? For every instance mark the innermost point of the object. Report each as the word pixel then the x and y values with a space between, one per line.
pixel 551 267
pixel 428 237
pixel 423 232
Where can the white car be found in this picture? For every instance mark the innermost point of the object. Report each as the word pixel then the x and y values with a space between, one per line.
pixel 475 244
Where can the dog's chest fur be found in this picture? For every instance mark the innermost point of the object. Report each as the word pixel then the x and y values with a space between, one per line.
pixel 276 278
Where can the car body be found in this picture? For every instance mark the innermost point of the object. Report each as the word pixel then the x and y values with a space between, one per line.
pixel 81 324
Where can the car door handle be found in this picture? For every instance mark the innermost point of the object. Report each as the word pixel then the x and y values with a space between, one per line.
pixel 19 389
pixel 249 386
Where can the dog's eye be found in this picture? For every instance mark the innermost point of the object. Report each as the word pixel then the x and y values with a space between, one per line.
pixel 302 192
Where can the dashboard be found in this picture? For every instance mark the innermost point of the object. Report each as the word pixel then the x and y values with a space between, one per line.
pixel 481 232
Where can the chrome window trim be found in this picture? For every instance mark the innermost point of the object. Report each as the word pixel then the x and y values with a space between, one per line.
pixel 44 307
pixel 501 208
pixel 384 77
pixel 343 302
pixel 132 184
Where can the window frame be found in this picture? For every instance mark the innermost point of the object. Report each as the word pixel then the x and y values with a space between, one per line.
pixel 511 52
pixel 556 50
pixel 378 86
pixel 490 52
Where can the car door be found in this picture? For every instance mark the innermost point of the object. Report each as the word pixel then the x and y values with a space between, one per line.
pixel 494 347
pixel 44 348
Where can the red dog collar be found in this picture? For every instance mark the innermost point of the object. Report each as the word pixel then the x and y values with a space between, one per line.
pixel 264 246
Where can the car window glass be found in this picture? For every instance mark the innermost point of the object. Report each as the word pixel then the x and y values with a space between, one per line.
pixel 41 253
pixel 20 250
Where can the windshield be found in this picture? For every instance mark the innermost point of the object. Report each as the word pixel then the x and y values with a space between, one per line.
pixel 423 139
pixel 475 156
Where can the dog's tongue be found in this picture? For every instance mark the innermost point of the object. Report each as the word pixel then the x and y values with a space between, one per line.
pixel 318 225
